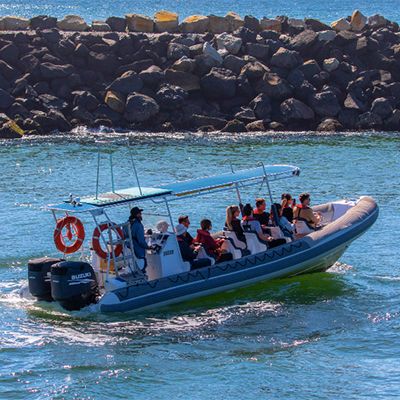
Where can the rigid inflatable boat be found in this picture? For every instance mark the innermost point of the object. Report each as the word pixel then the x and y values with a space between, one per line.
pixel 104 270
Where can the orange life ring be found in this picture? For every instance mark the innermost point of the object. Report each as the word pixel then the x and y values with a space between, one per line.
pixel 96 240
pixel 74 228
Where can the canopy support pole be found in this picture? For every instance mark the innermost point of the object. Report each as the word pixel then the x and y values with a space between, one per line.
pixel 273 208
pixel 169 213
pixel 112 174
pixel 236 186
pixel 134 169
pixel 98 175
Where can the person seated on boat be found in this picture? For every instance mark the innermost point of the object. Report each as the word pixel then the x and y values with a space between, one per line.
pixel 232 222
pixel 184 220
pixel 137 231
pixel 162 226
pixel 284 223
pixel 250 223
pixel 287 204
pixel 303 212
pixel 189 253
pixel 211 246
pixel 259 213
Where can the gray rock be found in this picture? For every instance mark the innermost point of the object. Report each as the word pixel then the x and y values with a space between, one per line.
pixel 329 125
pixel 377 21
pixel 52 71
pixel 325 104
pixel 5 99
pixel 369 121
pixel 43 22
pixel 353 103
pixel 199 120
pixel 85 100
pixel 140 108
pixel 187 81
pixel 219 83
pixel 261 106
pixel 303 41
pixel 274 86
pixel 9 53
pixel 152 76
pixel 234 63
pixel 176 51
pixel 256 126
pixel 293 109
pixel 171 97
pixel 326 36
pixel 210 52
pixel 127 83
pixel 117 24
pixel 331 64
pixel 251 23
pixel 258 50
pixel 316 25
pixel 309 69
pixel 285 58
pixel 184 64
pixel 234 126
pixel 52 102
pixel 382 107
pixel 254 70
pixel 229 42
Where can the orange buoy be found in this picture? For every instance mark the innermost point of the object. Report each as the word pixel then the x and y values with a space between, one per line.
pixel 96 240
pixel 75 230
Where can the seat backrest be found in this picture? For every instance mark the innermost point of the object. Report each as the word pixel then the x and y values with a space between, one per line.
pixel 203 254
pixel 254 245
pixel 228 247
pixel 232 235
pixel 302 228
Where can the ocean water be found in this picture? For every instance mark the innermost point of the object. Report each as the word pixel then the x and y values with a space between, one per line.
pixel 320 336
pixel 326 11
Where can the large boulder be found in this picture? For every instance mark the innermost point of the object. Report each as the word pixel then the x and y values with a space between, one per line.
pixel 210 52
pixel 5 99
pixel 12 23
pixel 285 58
pixel 187 81
pixel 325 104
pixel 274 86
pixel 176 51
pixel 9 53
pixel 171 97
pixel 234 21
pixel 341 25
pixel 326 36
pixel 219 83
pixel 251 23
pixel 184 64
pixel 330 125
pixel 85 100
pixel 377 21
pixel 139 23
pixel 152 76
pixel 43 22
pixel 194 24
pixel 53 71
pixel 229 42
pixel 127 83
pixel 304 41
pixel 293 109
pixel 100 26
pixel 358 21
pixel 261 106
pixel 271 24
pixel 258 50
pixel 369 121
pixel 115 101
pixel 382 107
pixel 117 24
pixel 165 21
pixel 331 64
pixel 140 108
pixel 234 63
pixel 234 126
pixel 72 23
pixel 316 25
pixel 217 24
pixel 309 69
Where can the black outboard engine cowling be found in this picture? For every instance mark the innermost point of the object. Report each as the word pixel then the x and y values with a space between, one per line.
pixel 39 277
pixel 73 284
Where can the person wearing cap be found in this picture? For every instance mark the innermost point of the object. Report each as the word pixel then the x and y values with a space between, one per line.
pixel 137 230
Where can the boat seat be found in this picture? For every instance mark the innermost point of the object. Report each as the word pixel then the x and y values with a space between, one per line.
pixel 302 228
pixel 229 247
pixel 236 242
pixel 254 244
pixel 202 254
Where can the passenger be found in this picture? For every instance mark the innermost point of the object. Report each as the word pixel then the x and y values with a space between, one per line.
pixel 137 231
pixel 283 221
pixel 232 222
pixel 211 246
pixel 162 226
pixel 188 252
pixel 249 222
pixel 184 220
pixel 259 212
pixel 287 205
pixel 303 212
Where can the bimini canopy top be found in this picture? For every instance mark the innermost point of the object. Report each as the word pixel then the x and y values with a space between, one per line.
pixel 171 191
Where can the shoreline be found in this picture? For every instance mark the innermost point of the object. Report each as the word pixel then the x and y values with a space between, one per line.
pixel 223 74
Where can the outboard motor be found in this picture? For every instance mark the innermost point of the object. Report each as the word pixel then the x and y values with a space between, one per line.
pixel 39 277
pixel 73 284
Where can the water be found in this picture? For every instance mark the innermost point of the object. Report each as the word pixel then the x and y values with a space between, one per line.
pixel 322 336
pixel 326 11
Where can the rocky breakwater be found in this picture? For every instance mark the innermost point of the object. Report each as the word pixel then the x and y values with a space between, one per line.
pixel 206 73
